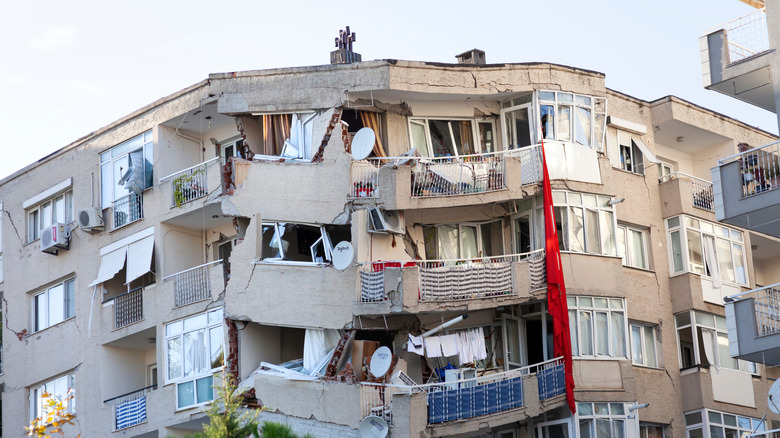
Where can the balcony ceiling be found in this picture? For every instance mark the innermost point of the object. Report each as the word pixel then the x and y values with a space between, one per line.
pixel 764 247
pixel 694 139
pixel 204 218
pixel 201 121
pixel 137 341
pixel 753 87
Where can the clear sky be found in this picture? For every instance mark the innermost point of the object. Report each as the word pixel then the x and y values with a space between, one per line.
pixel 69 68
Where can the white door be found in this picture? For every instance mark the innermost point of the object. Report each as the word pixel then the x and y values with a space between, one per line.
pixel 514 356
pixel 555 429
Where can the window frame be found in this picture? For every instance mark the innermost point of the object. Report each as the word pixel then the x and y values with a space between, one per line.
pixel 586 413
pixel 628 245
pixel 68 303
pixel 178 331
pixel 597 117
pixel 686 224
pixel 35 215
pixel 643 428
pixel 36 392
pixel 706 424
pixel 643 343
pixel 324 239
pixel 306 120
pixel 578 305
pixel 106 160
pixel 719 329
pixel 565 203
pixel 480 244
pixel 478 147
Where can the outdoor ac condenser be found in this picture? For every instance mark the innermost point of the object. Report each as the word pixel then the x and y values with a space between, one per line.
pixel 55 238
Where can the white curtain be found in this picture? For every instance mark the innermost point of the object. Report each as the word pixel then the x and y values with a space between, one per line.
pixel 708 343
pixel 712 263
pixel 317 344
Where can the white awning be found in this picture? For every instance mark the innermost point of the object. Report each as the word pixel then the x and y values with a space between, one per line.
pixel 649 156
pixel 139 258
pixel 110 264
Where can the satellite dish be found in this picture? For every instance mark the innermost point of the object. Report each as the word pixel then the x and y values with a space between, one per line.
pixel 363 143
pixel 342 255
pixel 773 399
pixel 380 362
pixel 373 427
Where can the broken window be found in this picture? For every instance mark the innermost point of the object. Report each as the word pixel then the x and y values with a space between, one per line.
pixel 232 149
pixel 356 120
pixel 305 243
pixel 586 223
pixel 703 340
pixel 450 138
pixel 463 241
pixel 126 168
pixel 572 117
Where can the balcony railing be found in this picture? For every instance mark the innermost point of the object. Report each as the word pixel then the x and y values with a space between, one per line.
pixel 450 176
pixel 766 303
pixel 530 163
pixel 746 36
pixel 130 408
pixel 468 398
pixel 701 190
pixel 127 210
pixel 759 168
pixel 192 285
pixel 128 308
pixel 191 183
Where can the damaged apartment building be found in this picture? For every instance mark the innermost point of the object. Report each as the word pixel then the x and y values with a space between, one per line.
pixel 361 245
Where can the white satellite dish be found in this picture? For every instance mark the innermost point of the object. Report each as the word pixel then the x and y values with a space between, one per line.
pixel 380 362
pixel 773 399
pixel 363 143
pixel 373 427
pixel 342 255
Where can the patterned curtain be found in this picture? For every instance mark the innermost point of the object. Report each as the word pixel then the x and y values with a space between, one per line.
pixel 276 129
pixel 371 120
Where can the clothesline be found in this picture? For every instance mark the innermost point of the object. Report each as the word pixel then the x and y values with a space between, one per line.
pixel 467 345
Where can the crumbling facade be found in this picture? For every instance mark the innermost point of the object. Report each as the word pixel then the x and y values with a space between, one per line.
pixel 245 224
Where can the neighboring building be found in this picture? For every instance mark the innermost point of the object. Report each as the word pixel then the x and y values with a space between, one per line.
pixel 741 60
pixel 204 230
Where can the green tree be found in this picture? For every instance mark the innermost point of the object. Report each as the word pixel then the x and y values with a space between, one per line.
pixel 226 419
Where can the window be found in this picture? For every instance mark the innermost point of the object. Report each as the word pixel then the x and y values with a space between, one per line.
pixel 602 420
pixel 450 138
pixel 597 327
pixel 528 225
pixel 193 353
pixel 707 249
pixel 56 209
pixel 631 159
pixel 647 430
pixel 58 389
pixel 707 423
pixel 644 345
pixel 303 243
pixel 54 305
pixel 126 168
pixel 665 171
pixel 463 241
pixel 586 223
pixel 286 135
pixel 632 247
pixel 516 119
pixel 703 339
pixel 572 117
pixel 232 149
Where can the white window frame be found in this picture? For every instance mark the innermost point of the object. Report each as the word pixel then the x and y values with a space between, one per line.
pixel 596 105
pixel 682 224
pixel 45 297
pixel 230 144
pixel 711 418
pixel 718 329
pixel 214 319
pixel 644 427
pixel 478 234
pixel 38 410
pixel 648 336
pixel 303 122
pixel 665 171
pixel 626 244
pixel 534 209
pixel 631 157
pixel 579 307
pixel 63 200
pixel 521 103
pixel 324 240
pixel 143 142
pixel 478 147
pixel 611 412
pixel 565 204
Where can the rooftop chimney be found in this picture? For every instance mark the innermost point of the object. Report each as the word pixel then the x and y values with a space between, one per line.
pixel 344 53
pixel 473 56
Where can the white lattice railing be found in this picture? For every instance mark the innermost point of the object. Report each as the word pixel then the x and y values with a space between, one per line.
pixel 766 303
pixel 701 189
pixel 760 168
pixel 191 183
pixel 463 279
pixel 192 285
pixel 746 36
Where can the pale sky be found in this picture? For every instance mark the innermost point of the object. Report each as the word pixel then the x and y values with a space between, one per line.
pixel 69 68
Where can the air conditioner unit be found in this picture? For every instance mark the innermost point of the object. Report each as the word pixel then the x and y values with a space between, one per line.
pixel 55 238
pixel 386 221
pixel 91 218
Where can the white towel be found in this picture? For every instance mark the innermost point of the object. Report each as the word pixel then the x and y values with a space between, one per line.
pixel 449 345
pixel 416 345
pixel 432 347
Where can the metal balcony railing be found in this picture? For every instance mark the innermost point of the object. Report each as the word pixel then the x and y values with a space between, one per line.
pixel 701 190
pixel 531 170
pixel 746 36
pixel 128 308
pixel 759 168
pixel 192 285
pixel 451 176
pixel 468 398
pixel 766 304
pixel 130 408
pixel 127 210
pixel 191 183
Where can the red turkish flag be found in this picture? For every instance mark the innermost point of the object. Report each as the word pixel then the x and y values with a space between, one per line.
pixel 556 290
